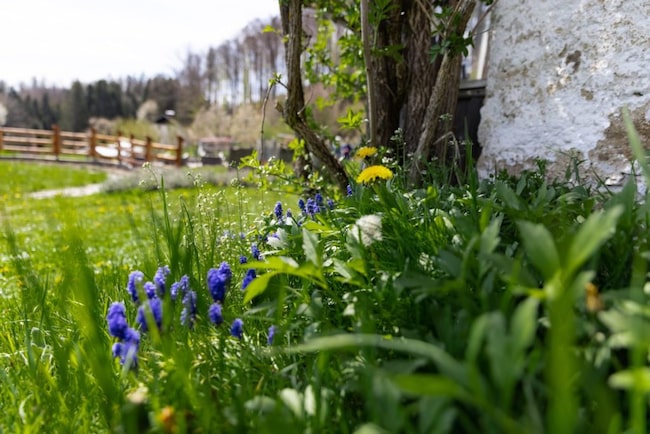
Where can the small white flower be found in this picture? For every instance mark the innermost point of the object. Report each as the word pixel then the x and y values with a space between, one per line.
pixel 369 228
pixel 279 240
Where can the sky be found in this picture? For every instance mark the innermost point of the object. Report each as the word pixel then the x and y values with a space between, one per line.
pixel 59 41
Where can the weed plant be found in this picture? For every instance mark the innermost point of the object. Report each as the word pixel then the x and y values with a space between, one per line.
pixel 513 304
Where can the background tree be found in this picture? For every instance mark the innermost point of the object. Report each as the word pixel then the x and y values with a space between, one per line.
pixel 164 90
pixel 76 109
pixel 212 76
pixel 192 91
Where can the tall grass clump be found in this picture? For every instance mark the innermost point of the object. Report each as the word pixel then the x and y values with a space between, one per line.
pixel 511 304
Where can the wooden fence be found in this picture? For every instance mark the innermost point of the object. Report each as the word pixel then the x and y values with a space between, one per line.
pixel 86 147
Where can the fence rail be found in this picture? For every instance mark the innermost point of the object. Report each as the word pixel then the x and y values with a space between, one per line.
pixel 83 147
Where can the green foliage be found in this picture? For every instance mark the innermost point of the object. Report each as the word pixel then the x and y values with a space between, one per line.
pixel 513 304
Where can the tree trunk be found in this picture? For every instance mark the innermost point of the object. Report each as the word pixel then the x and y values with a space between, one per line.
pixel 413 93
pixel 293 111
pixel 433 141
pixel 420 75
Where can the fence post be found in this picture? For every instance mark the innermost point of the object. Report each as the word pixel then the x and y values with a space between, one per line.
pixel 1 137
pixel 179 152
pixel 92 144
pixel 147 150
pixel 119 146
pixel 133 155
pixel 56 140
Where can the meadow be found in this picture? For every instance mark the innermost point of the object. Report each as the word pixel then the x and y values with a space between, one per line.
pixel 502 305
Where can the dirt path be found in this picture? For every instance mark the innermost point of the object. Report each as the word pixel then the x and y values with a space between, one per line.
pixel 85 190
pixel 131 179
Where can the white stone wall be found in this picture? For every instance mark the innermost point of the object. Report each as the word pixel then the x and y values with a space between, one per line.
pixel 560 72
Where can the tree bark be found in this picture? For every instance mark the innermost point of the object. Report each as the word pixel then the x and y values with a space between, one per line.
pixel 371 84
pixel 421 73
pixel 293 111
pixel 433 139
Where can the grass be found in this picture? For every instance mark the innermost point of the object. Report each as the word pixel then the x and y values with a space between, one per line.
pixel 509 305
pixel 22 178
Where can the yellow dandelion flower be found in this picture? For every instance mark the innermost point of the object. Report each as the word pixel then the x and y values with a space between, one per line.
pixel 372 173
pixel 593 301
pixel 167 419
pixel 365 152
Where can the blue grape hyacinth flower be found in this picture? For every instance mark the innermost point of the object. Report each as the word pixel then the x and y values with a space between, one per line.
pixel 154 306
pixel 237 328
pixel 135 278
pixel 179 288
pixel 218 280
pixel 278 211
pixel 150 290
pixel 127 349
pixel 225 270
pixel 188 314
pixel 214 314
pixel 116 319
pixel 271 335
pixel 248 278
pixel 255 252
pixel 312 207
pixel 159 279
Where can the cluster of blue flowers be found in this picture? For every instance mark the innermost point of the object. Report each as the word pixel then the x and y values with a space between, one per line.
pixel 128 339
pixel 315 205
pixel 150 310
pixel 218 282
pixel 149 296
pixel 154 291
pixel 250 273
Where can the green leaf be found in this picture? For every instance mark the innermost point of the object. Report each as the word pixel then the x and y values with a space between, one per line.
pixel 260 404
pixel 279 263
pixel 490 236
pixel 351 121
pixel 507 195
pixel 631 379
pixel 523 324
pixel 429 385
pixel 348 273
pixel 258 285
pixel 638 150
pixel 476 338
pixel 498 349
pixel 293 400
pixel 370 428
pixel 591 235
pixel 310 247
pixel 445 363
pixel 269 29
pixel 540 248
pixel 414 280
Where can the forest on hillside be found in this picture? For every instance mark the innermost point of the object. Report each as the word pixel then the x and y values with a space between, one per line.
pixel 228 75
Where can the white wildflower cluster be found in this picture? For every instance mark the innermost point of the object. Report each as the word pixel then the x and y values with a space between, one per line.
pixel 367 229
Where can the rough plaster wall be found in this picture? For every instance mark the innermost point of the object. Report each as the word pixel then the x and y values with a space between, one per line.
pixel 560 72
